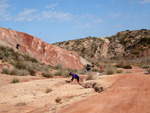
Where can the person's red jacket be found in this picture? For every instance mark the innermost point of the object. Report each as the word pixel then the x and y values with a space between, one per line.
pixel 101 67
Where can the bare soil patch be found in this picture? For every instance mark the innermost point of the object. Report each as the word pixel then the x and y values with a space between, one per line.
pixel 121 92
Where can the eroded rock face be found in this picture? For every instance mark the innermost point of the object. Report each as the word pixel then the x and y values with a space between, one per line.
pixel 39 49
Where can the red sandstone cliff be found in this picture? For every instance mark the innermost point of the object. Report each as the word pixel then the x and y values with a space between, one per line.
pixel 39 49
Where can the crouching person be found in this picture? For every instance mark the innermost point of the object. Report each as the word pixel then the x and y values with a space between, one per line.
pixel 74 76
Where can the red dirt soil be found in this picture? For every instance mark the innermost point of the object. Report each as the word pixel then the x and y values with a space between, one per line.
pixel 129 94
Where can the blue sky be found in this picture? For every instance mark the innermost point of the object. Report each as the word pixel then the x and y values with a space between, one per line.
pixel 62 20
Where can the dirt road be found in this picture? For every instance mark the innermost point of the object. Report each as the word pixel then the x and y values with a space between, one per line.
pixel 129 94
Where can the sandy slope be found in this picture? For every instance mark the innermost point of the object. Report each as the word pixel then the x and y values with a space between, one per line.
pixel 129 94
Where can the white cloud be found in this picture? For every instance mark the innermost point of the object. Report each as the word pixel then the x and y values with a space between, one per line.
pixel 52 6
pixel 54 15
pixel 82 21
pixel 4 15
pixel 112 1
pixel 89 16
pixel 131 16
pixel 82 25
pixel 145 1
pixel 115 15
pixel 89 24
pixel 139 1
pixel 27 14
pixel 51 15
pixel 99 5
pixel 117 26
pixel 98 21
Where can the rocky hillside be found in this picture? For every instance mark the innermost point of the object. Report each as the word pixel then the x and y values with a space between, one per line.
pixel 39 49
pixel 87 47
pixel 126 44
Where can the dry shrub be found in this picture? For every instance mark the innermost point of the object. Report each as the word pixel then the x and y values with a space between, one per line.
pixel 58 67
pixel 110 70
pixel 58 100
pixel 47 75
pixel 71 70
pixel 62 72
pixel 15 72
pixel 5 71
pixel 48 90
pixel 21 72
pixel 15 80
pixel 32 72
pixel 124 65
pixel 91 77
pixel 95 70
pixel 119 71
pixel 145 66
pixel 58 73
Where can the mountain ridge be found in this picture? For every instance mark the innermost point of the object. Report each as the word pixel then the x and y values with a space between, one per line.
pixel 125 44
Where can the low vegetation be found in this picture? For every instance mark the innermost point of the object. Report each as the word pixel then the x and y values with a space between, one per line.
pixel 22 64
pixel 124 65
pixel 48 90
pixel 47 75
pixel 119 71
pixel 58 100
pixel 15 80
pixel 90 77
pixel 110 70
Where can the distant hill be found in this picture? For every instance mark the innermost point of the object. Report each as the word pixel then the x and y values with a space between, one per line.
pixel 126 44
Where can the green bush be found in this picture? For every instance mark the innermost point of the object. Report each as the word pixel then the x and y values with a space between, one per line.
pixel 5 59
pixel 120 65
pixel 58 73
pixel 32 72
pixel 127 67
pixel 145 66
pixel 62 72
pixel 1 55
pixel 58 100
pixel 19 72
pixel 110 70
pixel 48 90
pixel 20 65
pixel 47 75
pixel 94 70
pixel 5 71
pixel 15 80
pixel 136 52
pixel 71 70
pixel 58 67
pixel 123 65
pixel 119 71
pixel 34 60
pixel 24 64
